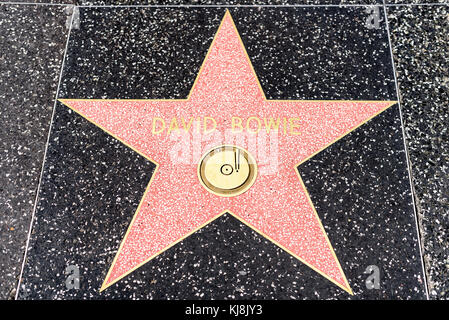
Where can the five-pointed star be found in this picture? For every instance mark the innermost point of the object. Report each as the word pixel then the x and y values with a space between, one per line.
pixel 176 204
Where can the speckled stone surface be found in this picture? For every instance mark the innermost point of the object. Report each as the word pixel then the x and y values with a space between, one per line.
pixel 421 44
pixel 92 184
pixel 357 64
pixel 224 2
pixel 199 2
pixel 415 1
pixel 361 191
pixel 32 42
pixel 53 2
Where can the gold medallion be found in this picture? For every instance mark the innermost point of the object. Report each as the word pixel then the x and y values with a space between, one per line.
pixel 227 171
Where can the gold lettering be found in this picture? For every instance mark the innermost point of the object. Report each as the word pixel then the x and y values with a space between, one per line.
pixel 237 122
pixel 248 127
pixel 155 120
pixel 188 125
pixel 173 126
pixel 270 124
pixel 206 131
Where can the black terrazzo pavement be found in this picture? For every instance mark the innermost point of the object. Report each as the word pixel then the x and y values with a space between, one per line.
pixel 62 2
pixel 361 191
pixel 320 52
pixel 225 2
pixel 421 46
pixel 32 42
pixel 199 2
pixel 92 183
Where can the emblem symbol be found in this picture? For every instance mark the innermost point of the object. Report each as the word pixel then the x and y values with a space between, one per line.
pixel 227 171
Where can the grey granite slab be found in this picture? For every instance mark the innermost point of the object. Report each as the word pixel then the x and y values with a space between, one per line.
pixel 32 42
pixel 53 2
pixel 420 36
pixel 426 2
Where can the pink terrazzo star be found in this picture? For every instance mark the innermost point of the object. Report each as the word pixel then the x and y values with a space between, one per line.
pixel 176 204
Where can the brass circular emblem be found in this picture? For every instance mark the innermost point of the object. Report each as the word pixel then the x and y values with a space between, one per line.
pixel 227 171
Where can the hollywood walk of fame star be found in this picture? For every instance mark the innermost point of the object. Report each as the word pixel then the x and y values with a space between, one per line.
pixel 277 206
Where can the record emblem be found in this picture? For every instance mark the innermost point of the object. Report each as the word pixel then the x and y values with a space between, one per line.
pixel 227 171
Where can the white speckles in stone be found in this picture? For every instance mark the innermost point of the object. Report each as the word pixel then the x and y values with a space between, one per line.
pixel 109 57
pixel 420 38
pixel 32 40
